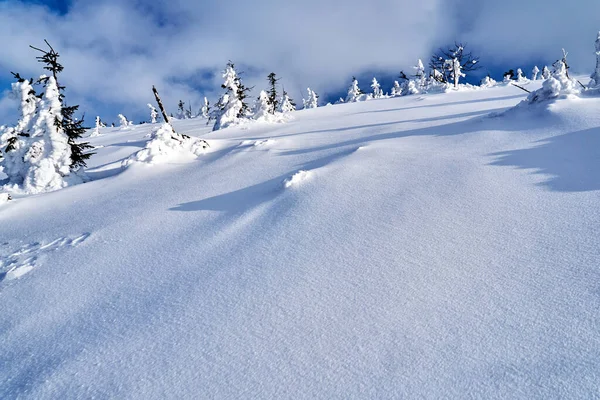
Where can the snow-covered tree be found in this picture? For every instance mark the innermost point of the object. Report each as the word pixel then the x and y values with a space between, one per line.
pixel 228 109
pixel 558 84
pixel 377 92
pixel 534 73
pixel 596 75
pixel 546 74
pixel 205 110
pixel 123 121
pixel 419 69
pixel 520 77
pixel 455 68
pixel 286 105
pixel 96 131
pixel 273 102
pixel 396 89
pixel 312 101
pixel 354 91
pixel 16 140
pixel 153 114
pixel 439 62
pixel 181 110
pixel 262 108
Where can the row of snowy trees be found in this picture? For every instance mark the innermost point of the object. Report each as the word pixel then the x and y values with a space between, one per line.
pixel 42 152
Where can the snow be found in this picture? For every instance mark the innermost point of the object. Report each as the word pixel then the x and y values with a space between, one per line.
pixel 428 246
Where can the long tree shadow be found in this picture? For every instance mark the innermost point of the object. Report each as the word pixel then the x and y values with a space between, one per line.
pixel 239 201
pixel 518 96
pixel 481 121
pixel 572 159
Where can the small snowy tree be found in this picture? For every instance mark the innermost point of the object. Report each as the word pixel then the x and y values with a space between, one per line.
pixel 96 131
pixel 262 108
pixel 205 110
pixel 153 114
pixel 229 107
pixel 312 101
pixel 534 73
pixel 546 74
pixel 377 92
pixel 520 76
pixel 181 110
pixel 123 121
pixel 354 91
pixel 396 89
pixel 287 105
pixel 596 75
pixel 273 102
pixel 438 62
pixel 557 85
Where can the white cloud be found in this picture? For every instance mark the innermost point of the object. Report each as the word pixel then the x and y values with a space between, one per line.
pixel 114 51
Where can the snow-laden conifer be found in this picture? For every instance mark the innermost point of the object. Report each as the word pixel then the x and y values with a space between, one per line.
pixel 396 89
pixel 153 114
pixel 229 107
pixel 520 77
pixel 534 73
pixel 205 110
pixel 16 140
pixel 262 108
pixel 354 91
pixel 596 75
pixel 546 74
pixel 97 126
pixel 312 100
pixel 488 82
pixel 377 92
pixel 123 121
pixel 286 104
pixel 273 102
pixel 557 85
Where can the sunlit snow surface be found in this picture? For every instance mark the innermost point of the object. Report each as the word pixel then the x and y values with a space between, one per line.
pixel 409 248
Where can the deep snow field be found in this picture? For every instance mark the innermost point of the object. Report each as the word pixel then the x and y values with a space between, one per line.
pixel 417 247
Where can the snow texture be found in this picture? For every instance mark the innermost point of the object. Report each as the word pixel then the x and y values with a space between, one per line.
pixel 429 251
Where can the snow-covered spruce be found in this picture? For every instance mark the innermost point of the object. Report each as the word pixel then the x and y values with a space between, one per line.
pixel 396 89
pixel 286 104
pixel 546 72
pixel 377 92
pixel 312 101
pixel 123 121
pixel 262 108
pixel 534 73
pixel 205 110
pixel 227 110
pixel 153 114
pixel 354 92
pixel 520 77
pixel 595 82
pixel 15 140
pixel 165 146
pixel 97 126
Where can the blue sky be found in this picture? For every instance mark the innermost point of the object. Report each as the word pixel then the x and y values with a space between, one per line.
pixel 115 50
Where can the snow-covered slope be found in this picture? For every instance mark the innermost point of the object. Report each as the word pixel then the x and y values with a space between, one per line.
pixel 413 247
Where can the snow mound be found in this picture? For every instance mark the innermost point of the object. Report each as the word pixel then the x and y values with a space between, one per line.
pixel 165 145
pixel 559 85
pixel 297 179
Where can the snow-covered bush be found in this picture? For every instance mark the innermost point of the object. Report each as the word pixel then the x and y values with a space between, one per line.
pixel 165 146
pixel 488 82
pixel 312 100
pixel 559 84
